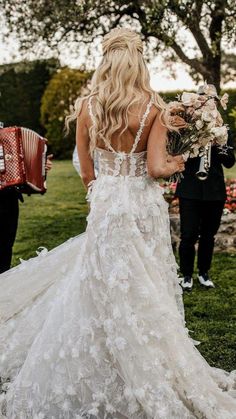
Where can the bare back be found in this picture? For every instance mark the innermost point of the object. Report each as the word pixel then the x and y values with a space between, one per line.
pixel 145 132
pixel 125 142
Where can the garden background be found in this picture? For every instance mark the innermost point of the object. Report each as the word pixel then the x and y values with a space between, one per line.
pixel 37 93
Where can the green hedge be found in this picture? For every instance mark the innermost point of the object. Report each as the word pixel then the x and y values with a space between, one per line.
pixel 21 88
pixel 60 93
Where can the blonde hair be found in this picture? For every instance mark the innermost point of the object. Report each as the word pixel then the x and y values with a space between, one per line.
pixel 121 80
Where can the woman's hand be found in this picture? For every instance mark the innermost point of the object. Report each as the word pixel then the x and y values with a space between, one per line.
pixel 179 163
pixel 49 162
pixel 159 163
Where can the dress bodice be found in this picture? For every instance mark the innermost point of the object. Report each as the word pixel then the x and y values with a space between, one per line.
pixel 120 163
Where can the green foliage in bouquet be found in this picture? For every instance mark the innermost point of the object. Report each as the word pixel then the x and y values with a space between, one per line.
pixel 62 90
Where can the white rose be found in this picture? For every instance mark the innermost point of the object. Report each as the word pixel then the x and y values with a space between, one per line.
pixel 214 113
pixel 220 134
pixel 224 101
pixel 199 124
pixel 189 99
pixel 219 131
pixel 206 116
pixel 211 104
pixel 210 90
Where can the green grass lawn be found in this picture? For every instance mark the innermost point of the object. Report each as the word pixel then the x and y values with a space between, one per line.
pixel 51 219
pixel 211 314
pixel 230 173
pixel 61 213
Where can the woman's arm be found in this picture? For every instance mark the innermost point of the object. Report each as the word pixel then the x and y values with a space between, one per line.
pixel 158 162
pixel 82 143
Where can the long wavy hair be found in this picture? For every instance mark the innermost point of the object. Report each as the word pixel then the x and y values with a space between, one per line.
pixel 120 81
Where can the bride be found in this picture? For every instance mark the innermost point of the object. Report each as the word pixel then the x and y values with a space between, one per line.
pixel 95 328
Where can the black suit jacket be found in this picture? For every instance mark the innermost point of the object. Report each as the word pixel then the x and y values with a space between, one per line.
pixel 213 188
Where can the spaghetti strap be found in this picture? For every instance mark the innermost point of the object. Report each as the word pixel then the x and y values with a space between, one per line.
pixel 139 132
pixel 142 124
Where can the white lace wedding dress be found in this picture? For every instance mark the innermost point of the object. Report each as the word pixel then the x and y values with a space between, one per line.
pixel 95 328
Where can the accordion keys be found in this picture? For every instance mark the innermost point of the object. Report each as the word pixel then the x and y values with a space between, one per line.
pixel 2 160
pixel 22 160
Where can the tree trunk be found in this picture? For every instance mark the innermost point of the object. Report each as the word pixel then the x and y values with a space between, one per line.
pixel 213 73
pixel 215 32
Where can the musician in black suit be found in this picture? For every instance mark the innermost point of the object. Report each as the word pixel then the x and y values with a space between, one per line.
pixel 9 213
pixel 201 204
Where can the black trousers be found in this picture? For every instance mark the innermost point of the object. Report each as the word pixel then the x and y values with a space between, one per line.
pixel 9 212
pixel 199 221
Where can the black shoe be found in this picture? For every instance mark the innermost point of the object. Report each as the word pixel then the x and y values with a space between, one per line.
pixel 187 283
pixel 205 281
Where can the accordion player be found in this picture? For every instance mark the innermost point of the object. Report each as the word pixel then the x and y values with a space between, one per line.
pixel 22 160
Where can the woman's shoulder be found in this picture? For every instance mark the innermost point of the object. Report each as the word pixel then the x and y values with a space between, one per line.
pixel 84 113
pixel 155 112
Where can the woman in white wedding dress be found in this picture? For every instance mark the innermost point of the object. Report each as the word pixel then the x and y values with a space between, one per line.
pixel 95 328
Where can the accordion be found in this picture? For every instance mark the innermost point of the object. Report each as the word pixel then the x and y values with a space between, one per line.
pixel 22 160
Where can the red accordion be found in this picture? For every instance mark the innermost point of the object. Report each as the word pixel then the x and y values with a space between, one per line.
pixel 22 160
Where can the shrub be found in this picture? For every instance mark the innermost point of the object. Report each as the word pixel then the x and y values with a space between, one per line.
pixel 21 87
pixel 60 93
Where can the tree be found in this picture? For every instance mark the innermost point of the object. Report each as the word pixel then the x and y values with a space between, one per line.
pixel 208 22
pixel 62 90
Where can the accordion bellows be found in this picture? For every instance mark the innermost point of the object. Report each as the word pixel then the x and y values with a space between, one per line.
pixel 22 159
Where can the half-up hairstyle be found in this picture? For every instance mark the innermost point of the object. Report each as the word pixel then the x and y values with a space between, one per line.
pixel 121 80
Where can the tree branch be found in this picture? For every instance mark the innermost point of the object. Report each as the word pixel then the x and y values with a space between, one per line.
pixel 192 62
pixel 217 15
pixel 172 43
pixel 193 25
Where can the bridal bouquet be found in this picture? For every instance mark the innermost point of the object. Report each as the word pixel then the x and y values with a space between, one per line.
pixel 198 123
